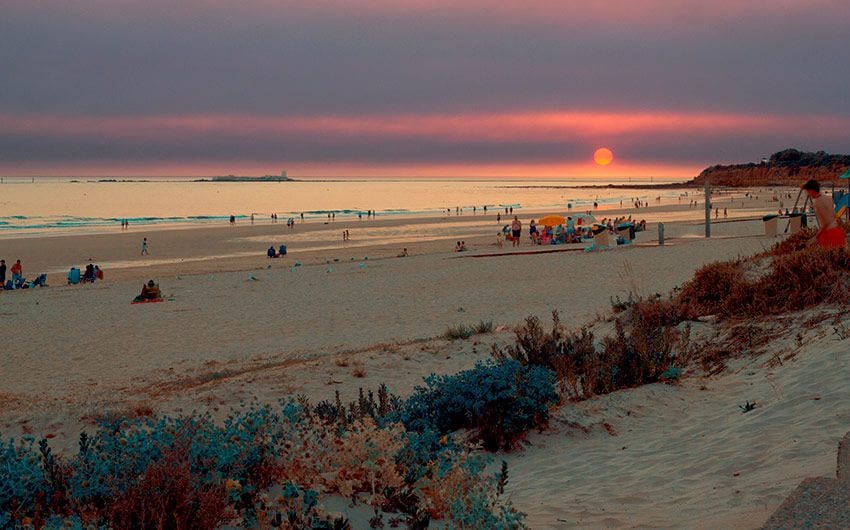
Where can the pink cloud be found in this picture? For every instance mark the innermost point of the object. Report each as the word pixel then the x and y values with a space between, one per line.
pixel 549 126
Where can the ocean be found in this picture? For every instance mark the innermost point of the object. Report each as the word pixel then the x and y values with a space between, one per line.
pixel 53 206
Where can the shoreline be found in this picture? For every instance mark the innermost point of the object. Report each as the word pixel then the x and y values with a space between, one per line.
pixel 202 249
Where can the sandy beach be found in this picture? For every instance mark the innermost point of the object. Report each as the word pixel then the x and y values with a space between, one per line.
pixel 246 327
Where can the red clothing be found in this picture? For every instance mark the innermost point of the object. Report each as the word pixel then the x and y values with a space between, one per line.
pixel 16 269
pixel 832 238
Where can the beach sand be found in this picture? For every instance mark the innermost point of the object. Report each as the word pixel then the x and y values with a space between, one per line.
pixel 77 352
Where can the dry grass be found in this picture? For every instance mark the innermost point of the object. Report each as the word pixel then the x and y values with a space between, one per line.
pixel 794 280
pixel 358 370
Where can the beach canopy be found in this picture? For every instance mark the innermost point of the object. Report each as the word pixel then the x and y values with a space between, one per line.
pixel 552 220
pixel 586 219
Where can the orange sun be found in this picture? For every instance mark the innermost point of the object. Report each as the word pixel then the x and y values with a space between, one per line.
pixel 603 156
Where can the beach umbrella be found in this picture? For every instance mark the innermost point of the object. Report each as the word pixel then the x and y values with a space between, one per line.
pixel 552 220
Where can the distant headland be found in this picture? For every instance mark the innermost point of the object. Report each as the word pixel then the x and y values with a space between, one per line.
pixel 790 167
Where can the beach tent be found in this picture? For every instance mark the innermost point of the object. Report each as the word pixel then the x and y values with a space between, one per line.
pixel 586 219
pixel 552 220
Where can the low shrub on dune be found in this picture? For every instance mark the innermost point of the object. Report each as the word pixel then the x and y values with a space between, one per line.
pixel 499 401
pixel 262 467
pixel 791 280
pixel 640 351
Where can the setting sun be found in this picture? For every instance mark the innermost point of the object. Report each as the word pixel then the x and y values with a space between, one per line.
pixel 603 156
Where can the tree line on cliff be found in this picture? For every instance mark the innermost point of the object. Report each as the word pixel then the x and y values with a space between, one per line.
pixel 787 167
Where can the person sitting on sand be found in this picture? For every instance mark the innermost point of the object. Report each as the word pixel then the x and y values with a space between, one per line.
pixel 403 254
pixel 88 276
pixel 830 234
pixel 271 252
pixel 558 234
pixel 457 246
pixel 462 246
pixel 150 291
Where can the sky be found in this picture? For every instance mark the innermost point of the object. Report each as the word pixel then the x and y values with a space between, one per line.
pixel 417 88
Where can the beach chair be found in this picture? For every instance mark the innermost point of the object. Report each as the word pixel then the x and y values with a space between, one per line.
pixel 771 224
pixel 601 239
pixel 795 223
pixel 626 231
pixel 74 276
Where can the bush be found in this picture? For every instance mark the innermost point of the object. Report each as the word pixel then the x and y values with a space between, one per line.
pixel 261 467
pixel 22 482
pixel 484 327
pixel 642 348
pixel 714 289
pixel 793 280
pixel 463 332
pixel 498 401
pixel 459 332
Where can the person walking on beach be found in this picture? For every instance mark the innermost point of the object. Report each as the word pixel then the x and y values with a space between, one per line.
pixel 2 272
pixel 499 217
pixel 516 231
pixel 144 246
pixel 830 235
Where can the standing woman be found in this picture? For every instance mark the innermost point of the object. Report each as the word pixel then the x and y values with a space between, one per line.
pixel 532 231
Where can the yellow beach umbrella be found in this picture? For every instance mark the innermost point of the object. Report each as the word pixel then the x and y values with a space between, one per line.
pixel 552 220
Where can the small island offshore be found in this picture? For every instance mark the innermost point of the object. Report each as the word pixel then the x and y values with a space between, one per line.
pixel 265 178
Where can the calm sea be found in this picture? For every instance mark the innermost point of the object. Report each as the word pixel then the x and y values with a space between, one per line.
pixel 53 205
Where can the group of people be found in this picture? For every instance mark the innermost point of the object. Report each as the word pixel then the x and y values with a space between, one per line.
pixel 16 279
pixel 90 275
pixel 272 253
pixel 571 231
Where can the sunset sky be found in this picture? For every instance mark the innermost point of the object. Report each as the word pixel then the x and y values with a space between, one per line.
pixel 419 88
